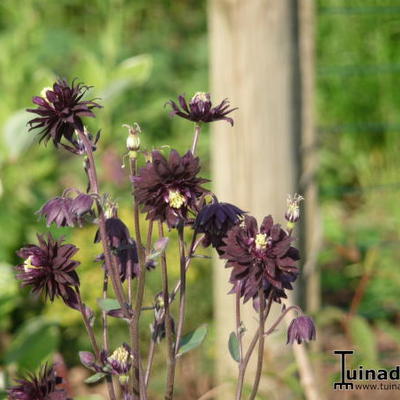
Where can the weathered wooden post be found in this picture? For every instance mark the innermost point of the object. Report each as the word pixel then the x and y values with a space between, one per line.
pixel 254 62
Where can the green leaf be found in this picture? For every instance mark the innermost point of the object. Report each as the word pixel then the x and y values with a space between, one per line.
pixel 233 345
pixel 95 378
pixel 192 340
pixel 108 304
pixel 34 343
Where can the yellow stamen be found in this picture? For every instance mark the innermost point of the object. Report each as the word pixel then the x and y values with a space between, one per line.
pixel 175 199
pixel 120 354
pixel 202 96
pixel 261 241
pixel 28 264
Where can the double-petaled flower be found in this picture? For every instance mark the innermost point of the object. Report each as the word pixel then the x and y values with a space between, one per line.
pixel 215 220
pixel 200 109
pixel 41 386
pixel 60 111
pixel 169 188
pixel 260 258
pixel 49 269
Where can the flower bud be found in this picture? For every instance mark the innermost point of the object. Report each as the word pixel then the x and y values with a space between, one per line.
pixel 292 214
pixel 133 139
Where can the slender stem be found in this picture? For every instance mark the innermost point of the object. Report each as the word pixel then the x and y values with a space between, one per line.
pixel 109 261
pixel 238 322
pixel 246 359
pixel 139 376
pixel 197 129
pixel 261 341
pixel 106 345
pixel 93 341
pixel 280 318
pixel 182 294
pixel 149 237
pixel 149 362
pixel 168 325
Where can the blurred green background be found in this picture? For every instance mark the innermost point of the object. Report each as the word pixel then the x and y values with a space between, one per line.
pixel 138 55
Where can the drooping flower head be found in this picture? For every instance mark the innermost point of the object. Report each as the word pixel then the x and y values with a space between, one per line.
pixel 67 211
pixel 168 188
pixel 123 247
pixel 41 386
pixel 215 220
pixel 260 258
pixel 200 109
pixel 60 111
pixel 49 269
pixel 301 329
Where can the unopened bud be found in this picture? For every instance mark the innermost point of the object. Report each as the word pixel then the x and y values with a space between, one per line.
pixel 133 139
pixel 292 214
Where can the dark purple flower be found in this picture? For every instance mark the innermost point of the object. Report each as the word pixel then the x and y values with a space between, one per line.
pixel 301 329
pixel 259 258
pixel 168 189
pixel 65 211
pixel 215 220
pixel 60 110
pixel 42 386
pixel 123 247
pixel 200 109
pixel 49 269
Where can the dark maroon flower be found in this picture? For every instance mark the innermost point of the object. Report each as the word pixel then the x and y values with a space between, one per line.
pixel 200 109
pixel 60 110
pixel 65 211
pixel 259 258
pixel 215 220
pixel 49 269
pixel 301 329
pixel 168 189
pixel 42 386
pixel 123 247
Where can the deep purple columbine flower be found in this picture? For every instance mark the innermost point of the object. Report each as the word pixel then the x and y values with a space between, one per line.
pixel 122 246
pixel 120 360
pixel 65 211
pixel 168 189
pixel 60 111
pixel 200 109
pixel 42 386
pixel 259 257
pixel 215 220
pixel 49 269
pixel 301 329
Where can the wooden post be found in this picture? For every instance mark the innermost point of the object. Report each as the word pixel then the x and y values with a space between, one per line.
pixel 254 62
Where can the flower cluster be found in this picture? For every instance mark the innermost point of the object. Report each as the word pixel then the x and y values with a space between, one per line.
pixel 260 258
pixel 41 386
pixel 49 269
pixel 169 188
